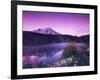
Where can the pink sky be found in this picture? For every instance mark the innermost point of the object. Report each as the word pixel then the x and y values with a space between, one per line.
pixel 64 23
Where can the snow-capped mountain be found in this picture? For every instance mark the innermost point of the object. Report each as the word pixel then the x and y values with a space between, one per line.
pixel 46 31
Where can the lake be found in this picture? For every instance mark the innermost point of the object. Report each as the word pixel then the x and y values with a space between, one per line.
pixel 47 55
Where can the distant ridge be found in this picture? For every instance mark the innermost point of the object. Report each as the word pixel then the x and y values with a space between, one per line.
pixel 34 38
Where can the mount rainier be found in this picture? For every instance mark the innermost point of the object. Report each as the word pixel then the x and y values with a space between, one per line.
pixel 46 31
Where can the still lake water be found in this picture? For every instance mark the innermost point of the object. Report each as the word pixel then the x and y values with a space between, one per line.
pixel 46 53
pixel 49 49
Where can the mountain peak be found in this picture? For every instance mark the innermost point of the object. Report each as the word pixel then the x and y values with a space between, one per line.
pixel 46 30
